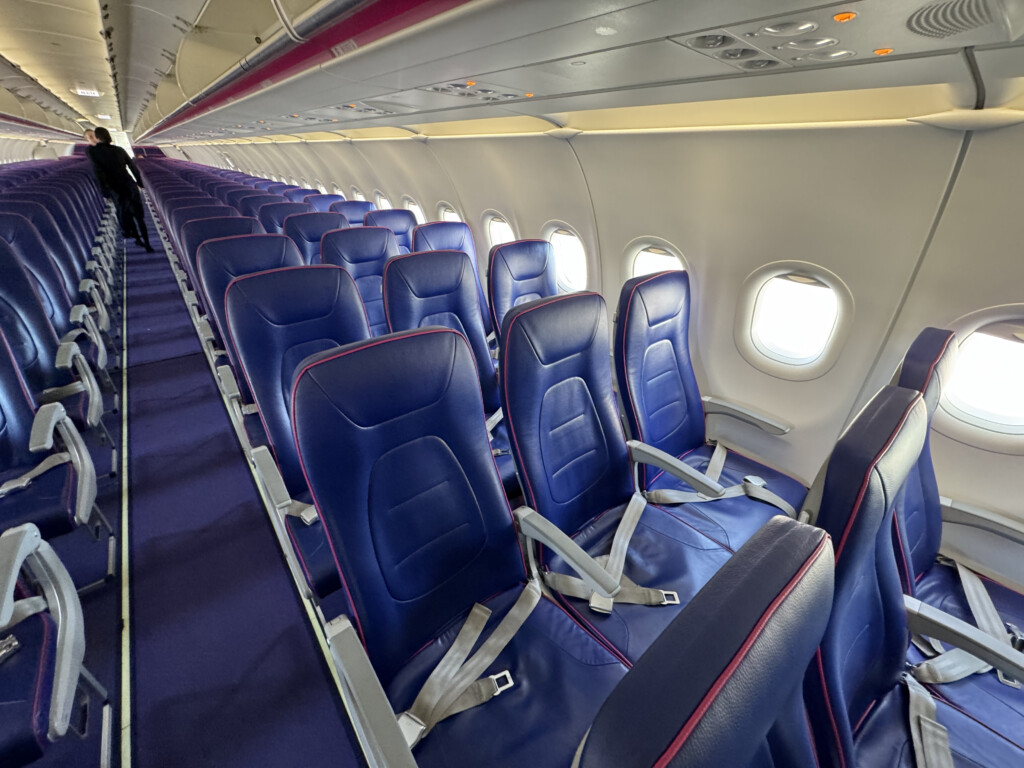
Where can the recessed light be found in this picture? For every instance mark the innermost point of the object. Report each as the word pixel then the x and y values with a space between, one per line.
pixel 577 63
pixel 811 43
pixel 830 55
pixel 789 28
pixel 103 117
pixel 606 31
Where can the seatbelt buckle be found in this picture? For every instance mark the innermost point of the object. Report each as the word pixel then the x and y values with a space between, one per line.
pixel 1016 636
pixel 669 597
pixel 757 482
pixel 8 647
pixel 601 604
pixel 502 681
pixel 412 729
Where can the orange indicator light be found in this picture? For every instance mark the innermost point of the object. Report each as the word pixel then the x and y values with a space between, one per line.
pixel 883 51
pixel 844 16
pixel 528 95
pixel 471 82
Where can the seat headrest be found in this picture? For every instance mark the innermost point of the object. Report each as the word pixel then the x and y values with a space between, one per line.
pixel 444 236
pixel 311 226
pixel 559 326
pixel 322 202
pixel 242 254
pixel 663 295
pixel 251 204
pixel 524 259
pixel 297 195
pixel 347 247
pixel 928 365
pixel 353 210
pixel 398 220
pixel 272 216
pixel 290 295
pixel 197 231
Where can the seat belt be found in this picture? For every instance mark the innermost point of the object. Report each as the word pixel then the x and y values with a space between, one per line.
pixel 23 481
pixel 812 502
pixel 752 486
pixel 929 736
pixel 454 686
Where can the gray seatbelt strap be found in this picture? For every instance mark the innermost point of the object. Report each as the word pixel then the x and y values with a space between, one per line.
pixel 985 614
pixel 949 666
pixel 23 481
pixel 812 503
pixel 453 686
pixel 494 419
pixel 620 546
pixel 930 738
pixel 24 608
pixel 752 487
pixel 717 463
pixel 629 592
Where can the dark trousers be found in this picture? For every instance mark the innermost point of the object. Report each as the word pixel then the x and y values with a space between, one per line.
pixel 131 214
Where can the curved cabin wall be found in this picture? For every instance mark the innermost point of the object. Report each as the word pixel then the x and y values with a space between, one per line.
pixel 859 199
pixel 16 150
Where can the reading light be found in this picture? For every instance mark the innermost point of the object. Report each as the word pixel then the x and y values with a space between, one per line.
pixel 606 31
pixel 883 51
pixel 789 28
pixel 844 17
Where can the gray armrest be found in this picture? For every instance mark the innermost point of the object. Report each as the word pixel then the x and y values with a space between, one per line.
pixel 535 526
pixel 769 424
pixel 70 355
pixel 16 544
pixel 372 717
pixel 925 620
pixel 273 484
pixel 66 354
pixel 78 314
pixel 43 426
pixel 642 453
pixel 228 385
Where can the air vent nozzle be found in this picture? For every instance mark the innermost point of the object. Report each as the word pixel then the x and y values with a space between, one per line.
pixel 940 20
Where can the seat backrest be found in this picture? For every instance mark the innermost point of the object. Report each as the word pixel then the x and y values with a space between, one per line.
pixel 264 184
pixel 363 252
pixel 518 272
pixel 275 320
pixel 437 288
pixel 17 411
pixel 452 236
pixel 224 192
pixel 927 368
pixel 709 689
pixel 353 210
pixel 415 513
pixel 398 220
pixel 652 362
pixel 864 649
pixel 35 257
pixel 307 229
pixel 272 216
pixel 220 261
pixel 196 232
pixel 323 202
pixel 67 234
pixel 561 413
pixel 298 195
pixel 23 319
pixel 280 188
pixel 70 268
pixel 235 197
pixel 172 204
pixel 251 204
pixel 182 216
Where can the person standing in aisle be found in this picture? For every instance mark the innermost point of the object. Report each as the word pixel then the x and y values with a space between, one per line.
pixel 116 173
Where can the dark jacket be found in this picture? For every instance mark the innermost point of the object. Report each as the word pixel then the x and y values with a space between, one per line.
pixel 111 164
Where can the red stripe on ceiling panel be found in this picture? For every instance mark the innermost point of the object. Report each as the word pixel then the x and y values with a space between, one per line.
pixel 363 26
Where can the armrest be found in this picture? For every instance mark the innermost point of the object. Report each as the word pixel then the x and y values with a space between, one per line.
pixel 535 526
pixel 78 314
pixel 85 470
pixel 273 483
pixel 66 354
pixel 16 544
pixel 373 719
pixel 925 620
pixel 43 426
pixel 228 384
pixel 648 454
pixel 769 424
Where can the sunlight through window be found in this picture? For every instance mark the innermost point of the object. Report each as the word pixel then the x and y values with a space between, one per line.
pixel 357 195
pixel 449 214
pixel 499 231
pixel 988 382
pixel 570 261
pixel 653 259
pixel 413 206
pixel 383 204
pixel 794 317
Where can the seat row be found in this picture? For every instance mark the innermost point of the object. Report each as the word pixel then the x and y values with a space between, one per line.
pixel 562 421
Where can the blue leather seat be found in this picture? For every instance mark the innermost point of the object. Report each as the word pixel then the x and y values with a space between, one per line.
pixel 452 236
pixel 353 210
pixel 575 466
pixel 225 191
pixel 307 229
pixel 857 702
pixel 264 184
pixel 272 216
pixel 323 202
pixel 71 269
pixel 69 236
pixel 438 288
pixel 276 319
pixel 518 272
pixel 299 194
pixel 196 232
pixel 250 205
pixel 280 188
pixel 182 216
pixel 398 220
pixel 363 252
pixel 220 261
pixel 664 409
pixel 235 197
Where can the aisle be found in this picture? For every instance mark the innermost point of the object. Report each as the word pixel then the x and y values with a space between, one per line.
pixel 225 670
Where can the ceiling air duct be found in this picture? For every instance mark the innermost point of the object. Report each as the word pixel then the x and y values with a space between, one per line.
pixel 955 17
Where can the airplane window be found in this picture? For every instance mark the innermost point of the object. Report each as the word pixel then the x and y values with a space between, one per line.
pixel 448 213
pixel 383 203
pixel 987 386
pixel 654 259
pixel 499 231
pixel 320 186
pixel 570 260
pixel 357 195
pixel 412 205
pixel 794 318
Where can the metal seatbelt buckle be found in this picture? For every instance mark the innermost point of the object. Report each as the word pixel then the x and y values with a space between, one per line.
pixel 8 647
pixel 601 604
pixel 669 597
pixel 755 481
pixel 1016 636
pixel 502 681
pixel 412 729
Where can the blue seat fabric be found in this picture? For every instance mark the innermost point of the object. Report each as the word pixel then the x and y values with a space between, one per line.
pixel 272 216
pixel 250 205
pixel 575 468
pixel 663 406
pixel 26 690
pixel 398 220
pixel 416 553
pixel 300 194
pixel 363 252
pixel 70 268
pixel 518 272
pixel 307 229
pixel 353 210
pixel 323 202
pixel 196 232
pixel 453 236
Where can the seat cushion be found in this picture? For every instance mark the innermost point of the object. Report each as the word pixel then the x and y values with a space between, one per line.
pixel 734 520
pixel 665 552
pixel 26 684
pixel 561 674
pixel 48 502
pixel 940 586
